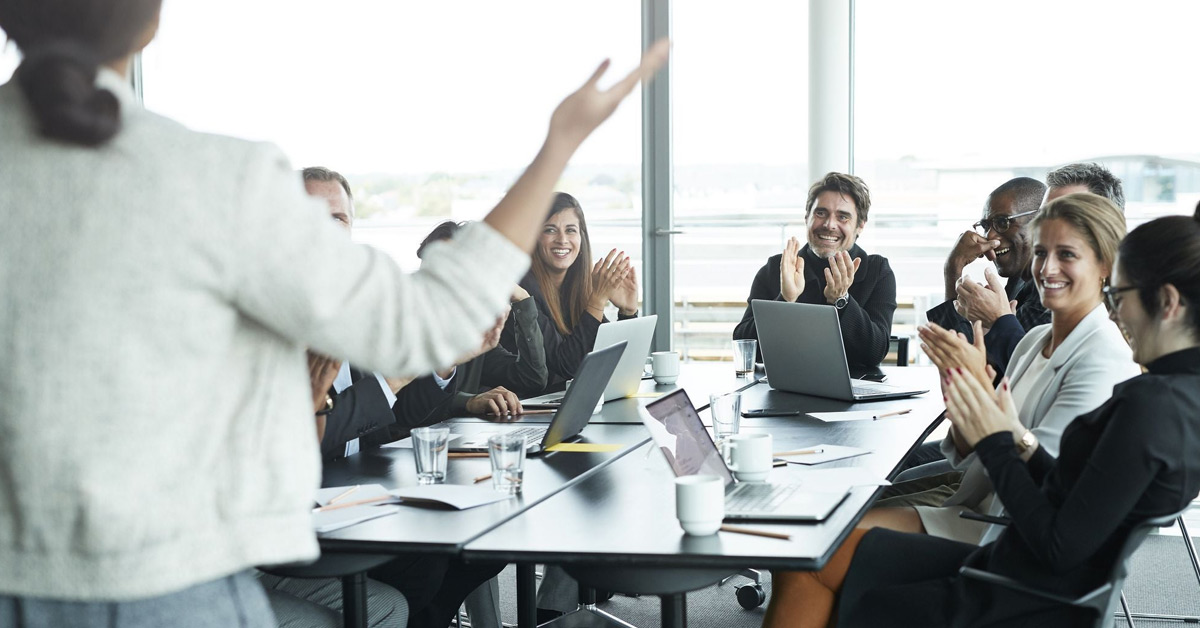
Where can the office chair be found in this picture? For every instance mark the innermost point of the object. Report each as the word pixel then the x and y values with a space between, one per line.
pixel 351 569
pixel 1191 550
pixel 1103 599
pixel 901 344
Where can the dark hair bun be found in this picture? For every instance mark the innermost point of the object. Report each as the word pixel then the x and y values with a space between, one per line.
pixel 60 83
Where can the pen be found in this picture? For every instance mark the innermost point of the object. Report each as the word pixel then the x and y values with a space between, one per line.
pixel 354 503
pixel 752 532
pixel 467 454
pixel 799 452
pixel 486 476
pixel 524 412
pixel 888 414
pixel 347 492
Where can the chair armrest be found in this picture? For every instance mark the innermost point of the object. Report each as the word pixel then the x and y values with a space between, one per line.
pixel 1087 600
pixel 974 516
pixel 901 349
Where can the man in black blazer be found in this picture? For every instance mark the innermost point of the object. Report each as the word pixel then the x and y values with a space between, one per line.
pixel 832 269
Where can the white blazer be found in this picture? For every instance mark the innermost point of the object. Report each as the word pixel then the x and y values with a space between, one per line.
pixel 1092 359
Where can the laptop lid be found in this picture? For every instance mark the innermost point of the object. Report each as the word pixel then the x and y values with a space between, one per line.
pixel 581 398
pixel 637 333
pixel 802 348
pixel 679 432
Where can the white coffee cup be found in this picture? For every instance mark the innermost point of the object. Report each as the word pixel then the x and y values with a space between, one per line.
pixel 666 366
pixel 748 456
pixel 700 503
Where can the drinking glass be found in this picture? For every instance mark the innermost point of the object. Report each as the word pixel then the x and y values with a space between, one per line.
pixel 430 446
pixel 507 453
pixel 725 411
pixel 744 352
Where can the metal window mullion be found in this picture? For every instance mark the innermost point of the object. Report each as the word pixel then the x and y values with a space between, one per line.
pixel 657 209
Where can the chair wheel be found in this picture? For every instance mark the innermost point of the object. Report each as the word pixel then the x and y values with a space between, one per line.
pixel 750 596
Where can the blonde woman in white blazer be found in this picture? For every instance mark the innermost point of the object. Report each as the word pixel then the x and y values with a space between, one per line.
pixel 1058 371
pixel 160 288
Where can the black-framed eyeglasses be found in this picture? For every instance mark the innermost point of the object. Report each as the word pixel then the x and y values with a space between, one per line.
pixel 999 224
pixel 1112 295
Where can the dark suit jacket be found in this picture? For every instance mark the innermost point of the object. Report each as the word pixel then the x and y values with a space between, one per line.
pixel 866 321
pixel 1008 330
pixel 362 411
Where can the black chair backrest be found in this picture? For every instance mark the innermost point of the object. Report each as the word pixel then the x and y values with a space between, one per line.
pixel 1120 568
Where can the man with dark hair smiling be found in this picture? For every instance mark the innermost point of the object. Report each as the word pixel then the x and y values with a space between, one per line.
pixel 832 269
pixel 1001 237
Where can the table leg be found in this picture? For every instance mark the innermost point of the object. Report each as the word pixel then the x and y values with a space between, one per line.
pixel 674 611
pixel 526 595
pixel 354 600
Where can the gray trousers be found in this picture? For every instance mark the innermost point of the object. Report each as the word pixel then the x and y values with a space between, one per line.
pixel 236 601
pixel 558 591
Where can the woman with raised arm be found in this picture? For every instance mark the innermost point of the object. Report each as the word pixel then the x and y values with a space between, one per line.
pixel 1129 460
pixel 570 292
pixel 165 274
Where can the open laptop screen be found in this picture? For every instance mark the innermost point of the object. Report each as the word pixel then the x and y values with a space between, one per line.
pixel 680 434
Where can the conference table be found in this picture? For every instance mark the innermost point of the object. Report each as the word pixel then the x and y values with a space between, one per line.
pixel 609 517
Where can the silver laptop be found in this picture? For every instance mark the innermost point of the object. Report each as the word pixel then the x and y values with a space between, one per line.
pixel 680 434
pixel 637 333
pixel 803 353
pixel 570 419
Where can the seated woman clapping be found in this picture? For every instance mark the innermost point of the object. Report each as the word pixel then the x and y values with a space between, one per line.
pixel 570 292
pixel 1131 459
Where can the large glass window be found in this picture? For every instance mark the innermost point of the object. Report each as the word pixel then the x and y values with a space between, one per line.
pixel 740 105
pixel 8 58
pixel 429 108
pixel 954 98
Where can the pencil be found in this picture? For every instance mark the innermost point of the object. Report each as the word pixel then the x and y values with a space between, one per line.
pixel 486 476
pixel 752 532
pixel 467 454
pixel 347 492
pixel 888 414
pixel 523 413
pixel 354 503
pixel 799 452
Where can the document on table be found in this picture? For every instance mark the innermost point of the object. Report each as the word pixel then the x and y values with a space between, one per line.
pixel 833 417
pixel 406 443
pixel 841 479
pixel 828 453
pixel 457 496
pixel 351 493
pixel 330 520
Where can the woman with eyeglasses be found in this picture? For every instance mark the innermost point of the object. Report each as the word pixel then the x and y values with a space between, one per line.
pixel 1058 372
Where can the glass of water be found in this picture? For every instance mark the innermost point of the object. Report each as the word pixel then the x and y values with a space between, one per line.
pixel 726 413
pixel 744 352
pixel 507 453
pixel 430 446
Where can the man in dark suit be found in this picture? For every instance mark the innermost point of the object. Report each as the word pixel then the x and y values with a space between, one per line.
pixel 831 269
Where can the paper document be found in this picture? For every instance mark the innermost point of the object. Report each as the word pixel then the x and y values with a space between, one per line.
pixel 455 495
pixel 331 520
pixel 406 443
pixel 841 479
pixel 584 447
pixel 828 453
pixel 858 415
pixel 347 494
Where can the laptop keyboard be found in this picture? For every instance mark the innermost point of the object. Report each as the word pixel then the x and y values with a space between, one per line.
pixel 759 496
pixel 872 389
pixel 531 434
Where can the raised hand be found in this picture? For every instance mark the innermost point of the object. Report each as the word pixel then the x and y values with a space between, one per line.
pixel 977 411
pixel 969 247
pixel 607 275
pixel 976 302
pixel 791 272
pixel 625 295
pixel 950 350
pixel 840 275
pixel 498 402
pixel 581 112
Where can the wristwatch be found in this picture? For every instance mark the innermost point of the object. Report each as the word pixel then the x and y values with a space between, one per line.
pixel 842 301
pixel 1027 443
pixel 328 406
